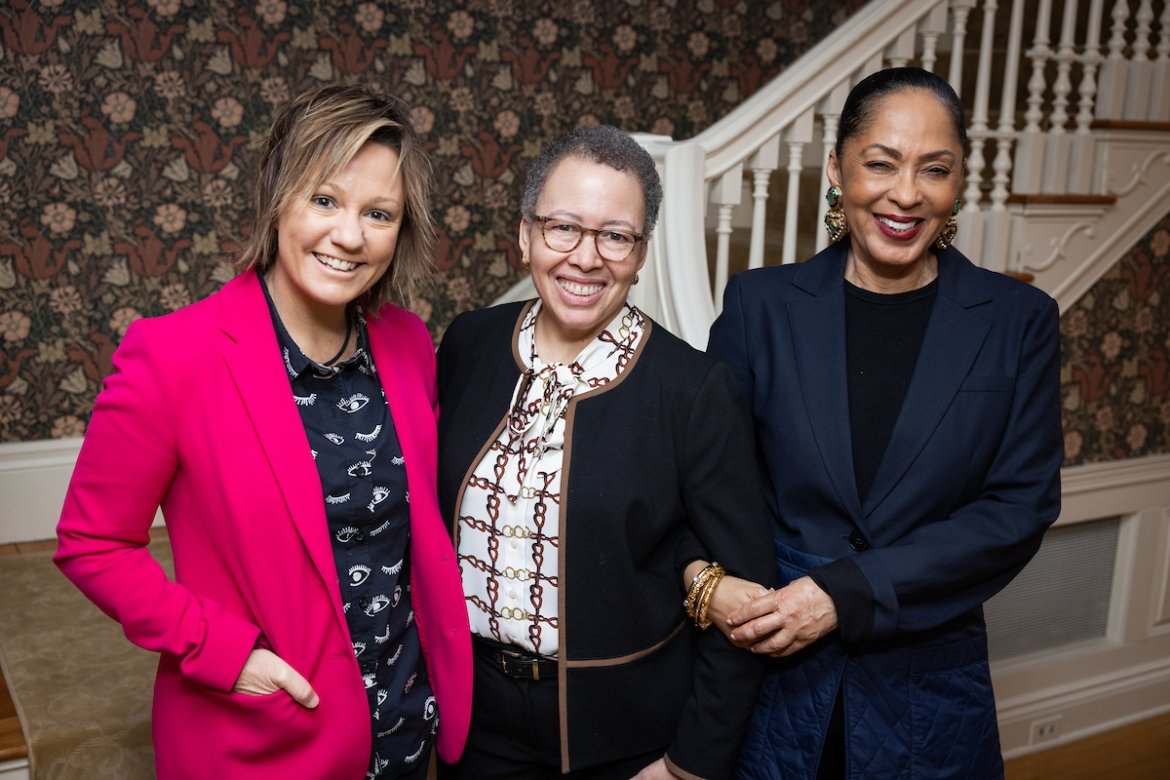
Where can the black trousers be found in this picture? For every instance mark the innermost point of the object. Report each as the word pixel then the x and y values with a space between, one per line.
pixel 515 732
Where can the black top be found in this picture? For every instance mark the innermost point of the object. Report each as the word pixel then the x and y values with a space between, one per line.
pixel 367 506
pixel 883 335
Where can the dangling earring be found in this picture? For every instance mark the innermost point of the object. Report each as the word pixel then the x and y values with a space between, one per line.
pixel 524 260
pixel 951 229
pixel 835 217
pixel 635 279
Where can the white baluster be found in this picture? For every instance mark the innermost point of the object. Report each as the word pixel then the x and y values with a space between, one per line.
pixel 799 134
pixel 903 49
pixel 931 28
pixel 1080 176
pixel 998 230
pixel 763 162
pixel 960 10
pixel 1026 173
pixel 726 193
pixel 1005 130
pixel 831 116
pixel 1137 85
pixel 1056 149
pixel 1111 84
pixel 977 133
pixel 1160 83
pixel 971 236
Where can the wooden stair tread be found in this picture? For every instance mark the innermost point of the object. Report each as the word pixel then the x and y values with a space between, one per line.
pixel 1062 200
pixel 1129 124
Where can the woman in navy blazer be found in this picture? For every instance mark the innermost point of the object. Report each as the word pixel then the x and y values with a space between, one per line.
pixel 908 423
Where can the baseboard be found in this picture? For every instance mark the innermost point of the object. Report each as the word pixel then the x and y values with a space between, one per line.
pixel 14 770
pixel 33 480
pixel 1083 707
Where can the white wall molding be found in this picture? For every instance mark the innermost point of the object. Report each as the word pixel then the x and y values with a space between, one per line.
pixel 33 479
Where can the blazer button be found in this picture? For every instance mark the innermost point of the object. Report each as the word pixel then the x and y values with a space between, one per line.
pixel 858 542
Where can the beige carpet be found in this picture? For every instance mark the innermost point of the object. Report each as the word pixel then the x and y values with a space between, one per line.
pixel 81 688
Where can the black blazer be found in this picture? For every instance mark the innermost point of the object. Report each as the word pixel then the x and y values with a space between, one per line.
pixel 655 462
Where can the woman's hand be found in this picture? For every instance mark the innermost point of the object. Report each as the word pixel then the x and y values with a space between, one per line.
pixel 730 594
pixel 655 771
pixel 265 672
pixel 782 622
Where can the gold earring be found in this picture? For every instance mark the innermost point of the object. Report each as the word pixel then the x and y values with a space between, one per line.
pixel 635 279
pixel 524 260
pixel 835 217
pixel 951 229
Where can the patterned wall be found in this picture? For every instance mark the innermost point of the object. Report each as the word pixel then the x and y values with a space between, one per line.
pixel 1116 358
pixel 129 128
pixel 128 133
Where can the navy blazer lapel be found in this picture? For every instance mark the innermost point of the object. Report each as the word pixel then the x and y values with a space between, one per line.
pixel 818 332
pixel 954 336
pixel 253 359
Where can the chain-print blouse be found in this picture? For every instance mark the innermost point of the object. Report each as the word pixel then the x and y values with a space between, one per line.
pixel 510 513
pixel 367 507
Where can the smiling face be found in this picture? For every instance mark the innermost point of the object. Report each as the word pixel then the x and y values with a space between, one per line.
pixel 579 290
pixel 337 240
pixel 900 177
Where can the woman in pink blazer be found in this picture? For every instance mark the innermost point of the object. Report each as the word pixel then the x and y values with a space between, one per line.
pixel 286 427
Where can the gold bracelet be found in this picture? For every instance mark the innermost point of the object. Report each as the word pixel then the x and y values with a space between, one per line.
pixel 691 602
pixel 700 591
pixel 708 591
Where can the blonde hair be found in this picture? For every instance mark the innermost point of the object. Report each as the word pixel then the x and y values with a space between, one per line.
pixel 316 135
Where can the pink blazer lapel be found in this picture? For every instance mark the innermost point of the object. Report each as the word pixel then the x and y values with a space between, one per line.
pixel 254 361
pixel 407 375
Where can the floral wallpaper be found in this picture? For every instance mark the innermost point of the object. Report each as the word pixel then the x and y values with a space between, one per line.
pixel 129 130
pixel 129 133
pixel 1115 373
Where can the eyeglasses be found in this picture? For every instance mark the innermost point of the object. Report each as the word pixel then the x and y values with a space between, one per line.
pixel 563 236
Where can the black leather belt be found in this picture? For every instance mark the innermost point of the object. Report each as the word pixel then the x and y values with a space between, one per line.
pixel 517 663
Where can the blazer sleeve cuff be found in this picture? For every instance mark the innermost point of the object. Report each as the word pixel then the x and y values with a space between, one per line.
pixel 217 660
pixel 852 596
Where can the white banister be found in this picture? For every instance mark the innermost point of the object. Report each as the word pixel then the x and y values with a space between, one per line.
pixel 1056 147
pixel 977 132
pixel 1111 84
pixel 1160 82
pixel 960 9
pixel 799 134
pixel 796 119
pixel 726 193
pixel 831 117
pixel 1005 130
pixel 1028 171
pixel 932 27
pixel 1080 173
pixel 903 49
pixel 764 162
pixel 1137 85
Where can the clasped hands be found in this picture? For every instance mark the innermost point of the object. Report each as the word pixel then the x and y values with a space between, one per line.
pixel 771 622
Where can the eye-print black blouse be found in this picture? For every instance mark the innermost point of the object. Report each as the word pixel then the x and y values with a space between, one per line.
pixel 367 506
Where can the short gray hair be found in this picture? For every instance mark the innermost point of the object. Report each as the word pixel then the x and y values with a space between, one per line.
pixel 602 144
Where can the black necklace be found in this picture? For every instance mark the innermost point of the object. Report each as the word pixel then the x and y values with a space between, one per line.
pixel 344 344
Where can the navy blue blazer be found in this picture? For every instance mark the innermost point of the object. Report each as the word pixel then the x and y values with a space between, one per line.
pixel 971 477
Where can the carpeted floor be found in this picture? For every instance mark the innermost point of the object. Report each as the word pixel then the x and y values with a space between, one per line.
pixel 82 689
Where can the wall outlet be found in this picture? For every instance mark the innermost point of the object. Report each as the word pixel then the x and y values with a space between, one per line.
pixel 1045 729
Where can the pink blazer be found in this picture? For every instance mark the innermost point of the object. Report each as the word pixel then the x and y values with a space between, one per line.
pixel 197 417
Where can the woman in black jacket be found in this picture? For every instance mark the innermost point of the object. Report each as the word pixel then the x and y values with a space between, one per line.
pixel 586 456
